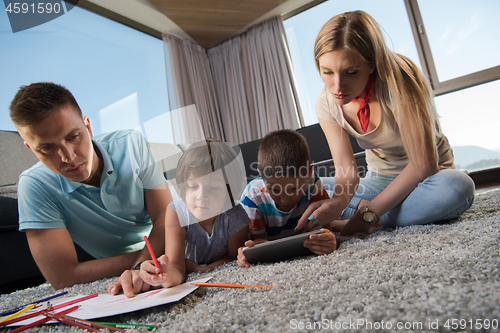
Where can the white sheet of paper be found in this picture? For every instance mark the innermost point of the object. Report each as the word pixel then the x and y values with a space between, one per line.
pixel 106 305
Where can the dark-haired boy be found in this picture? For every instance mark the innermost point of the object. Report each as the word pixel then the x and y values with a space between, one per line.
pixel 288 184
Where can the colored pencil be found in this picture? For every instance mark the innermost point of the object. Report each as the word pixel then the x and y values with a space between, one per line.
pixel 18 313
pixel 227 285
pixel 95 324
pixel 56 307
pixel 149 327
pixel 33 324
pixel 44 320
pixel 153 256
pixel 8 312
pixel 80 299
pixel 64 320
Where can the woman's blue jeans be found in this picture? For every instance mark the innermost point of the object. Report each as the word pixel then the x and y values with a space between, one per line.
pixel 442 196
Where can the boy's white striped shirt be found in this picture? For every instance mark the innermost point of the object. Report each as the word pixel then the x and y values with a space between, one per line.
pixel 266 218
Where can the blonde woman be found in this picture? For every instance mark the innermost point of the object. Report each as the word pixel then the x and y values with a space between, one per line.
pixel 384 101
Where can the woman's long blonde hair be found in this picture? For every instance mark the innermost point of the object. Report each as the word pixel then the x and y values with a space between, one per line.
pixel 400 85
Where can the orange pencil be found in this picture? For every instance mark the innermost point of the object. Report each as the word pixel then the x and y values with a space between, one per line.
pixel 227 285
pixel 153 256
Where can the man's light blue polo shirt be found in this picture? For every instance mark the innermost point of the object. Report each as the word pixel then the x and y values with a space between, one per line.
pixel 106 221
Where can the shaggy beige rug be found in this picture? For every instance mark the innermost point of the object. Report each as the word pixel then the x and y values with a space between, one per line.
pixel 439 277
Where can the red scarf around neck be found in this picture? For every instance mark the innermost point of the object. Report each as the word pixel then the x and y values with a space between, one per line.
pixel 364 108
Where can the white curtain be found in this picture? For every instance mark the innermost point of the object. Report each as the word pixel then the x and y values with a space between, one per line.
pixel 190 86
pixel 255 83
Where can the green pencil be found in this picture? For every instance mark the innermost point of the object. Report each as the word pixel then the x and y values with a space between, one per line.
pixel 149 327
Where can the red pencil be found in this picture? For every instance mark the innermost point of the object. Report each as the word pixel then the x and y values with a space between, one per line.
pixel 93 324
pixel 153 256
pixel 62 319
pixel 83 298
pixel 44 320
pixel 55 307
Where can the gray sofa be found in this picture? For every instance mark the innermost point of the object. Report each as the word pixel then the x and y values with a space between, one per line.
pixel 318 149
pixel 18 267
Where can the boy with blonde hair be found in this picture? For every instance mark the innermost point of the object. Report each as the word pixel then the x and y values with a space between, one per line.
pixel 288 184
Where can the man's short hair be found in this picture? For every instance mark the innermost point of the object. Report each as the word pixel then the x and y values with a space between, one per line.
pixel 35 102
pixel 284 153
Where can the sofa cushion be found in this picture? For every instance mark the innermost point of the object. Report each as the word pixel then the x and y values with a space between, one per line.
pixel 15 157
pixel 249 152
pixel 8 208
pixel 318 145
pixel 318 149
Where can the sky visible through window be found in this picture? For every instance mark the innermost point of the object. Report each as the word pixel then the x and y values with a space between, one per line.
pixel 116 73
pixel 461 34
pixel 118 76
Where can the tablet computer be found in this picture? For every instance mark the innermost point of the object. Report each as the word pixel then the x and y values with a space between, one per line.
pixel 279 249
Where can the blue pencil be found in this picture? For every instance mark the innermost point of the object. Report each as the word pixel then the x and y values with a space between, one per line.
pixel 8 312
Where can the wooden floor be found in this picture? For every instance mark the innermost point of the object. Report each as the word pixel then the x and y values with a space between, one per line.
pixel 486 178
pixel 488 186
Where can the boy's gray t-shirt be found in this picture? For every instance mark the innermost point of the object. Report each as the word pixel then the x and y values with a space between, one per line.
pixel 199 246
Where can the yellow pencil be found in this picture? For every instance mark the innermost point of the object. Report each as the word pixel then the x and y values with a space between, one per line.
pixel 18 313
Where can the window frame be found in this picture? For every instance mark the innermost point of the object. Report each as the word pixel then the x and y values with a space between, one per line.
pixel 417 27
pixel 114 16
pixel 427 62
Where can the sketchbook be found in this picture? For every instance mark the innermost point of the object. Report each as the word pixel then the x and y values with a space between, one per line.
pixel 105 305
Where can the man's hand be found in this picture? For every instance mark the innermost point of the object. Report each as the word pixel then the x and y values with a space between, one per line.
pixel 323 243
pixel 130 282
pixel 54 253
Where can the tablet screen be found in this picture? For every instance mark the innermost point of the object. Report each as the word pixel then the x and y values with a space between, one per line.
pixel 279 249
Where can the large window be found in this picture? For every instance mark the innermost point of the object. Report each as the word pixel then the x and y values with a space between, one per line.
pixel 454 42
pixel 470 121
pixel 116 73
pixel 457 40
